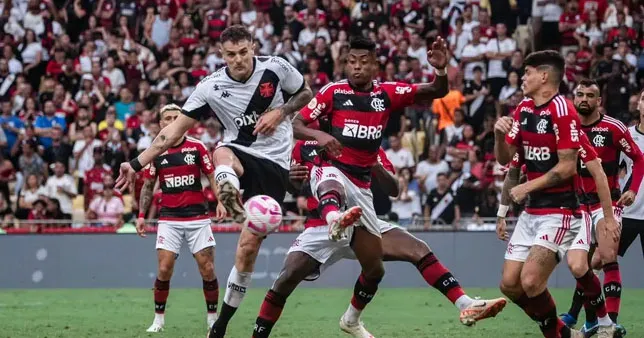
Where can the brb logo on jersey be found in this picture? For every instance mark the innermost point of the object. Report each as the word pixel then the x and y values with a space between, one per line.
pixel 362 132
pixel 536 153
pixel 179 181
pixel 246 120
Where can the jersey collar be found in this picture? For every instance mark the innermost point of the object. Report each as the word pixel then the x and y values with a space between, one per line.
pixel 601 117
pixel 251 73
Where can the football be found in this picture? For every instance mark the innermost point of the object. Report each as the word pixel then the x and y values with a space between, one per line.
pixel 263 213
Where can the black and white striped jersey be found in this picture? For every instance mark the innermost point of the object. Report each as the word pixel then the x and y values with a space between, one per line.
pixel 238 105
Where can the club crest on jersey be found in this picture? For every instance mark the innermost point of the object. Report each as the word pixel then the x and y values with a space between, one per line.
pixel 266 89
pixel 189 159
pixel 542 126
pixel 598 140
pixel 378 104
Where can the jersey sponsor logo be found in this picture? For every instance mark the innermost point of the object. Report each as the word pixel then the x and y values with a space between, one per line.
pixel 515 129
pixel 313 103
pixel 318 110
pixel 536 153
pixel 526 109
pixel 236 287
pixel 220 177
pixel 187 149
pixel 189 159
pixel 308 143
pixel 343 91
pixel 625 145
pixel 246 120
pixel 403 90
pixel 598 140
pixel 179 181
pixel 545 113
pixel 375 93
pixel 205 159
pixel 542 126
pixel 574 133
pixel 364 132
pixel 266 89
pixel 378 104
pixel 282 63
pixel 348 103
pixel 600 129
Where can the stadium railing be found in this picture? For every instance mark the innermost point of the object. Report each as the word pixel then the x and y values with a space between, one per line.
pixel 289 224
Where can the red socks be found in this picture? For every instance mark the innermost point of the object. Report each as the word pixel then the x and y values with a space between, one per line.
pixel 612 289
pixel 436 275
pixel 161 291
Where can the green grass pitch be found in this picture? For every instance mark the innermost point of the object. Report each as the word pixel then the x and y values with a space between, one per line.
pixel 309 313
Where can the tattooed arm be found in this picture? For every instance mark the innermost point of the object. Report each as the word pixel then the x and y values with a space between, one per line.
pixel 565 169
pixel 511 180
pixel 146 196
pixel 299 100
pixel 167 137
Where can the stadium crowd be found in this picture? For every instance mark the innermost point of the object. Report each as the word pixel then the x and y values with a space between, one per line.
pixel 81 84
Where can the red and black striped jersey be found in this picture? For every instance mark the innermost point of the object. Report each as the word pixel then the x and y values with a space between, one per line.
pixel 179 170
pixel 610 138
pixel 538 132
pixel 306 153
pixel 357 121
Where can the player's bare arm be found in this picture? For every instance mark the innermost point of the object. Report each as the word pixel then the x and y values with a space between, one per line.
pixel 611 227
pixel 145 201
pixel 296 177
pixel 565 169
pixel 268 122
pixel 220 213
pixel 302 132
pixel 502 150
pixel 511 180
pixel 437 57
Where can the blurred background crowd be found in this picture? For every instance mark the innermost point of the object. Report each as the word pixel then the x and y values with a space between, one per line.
pixel 81 84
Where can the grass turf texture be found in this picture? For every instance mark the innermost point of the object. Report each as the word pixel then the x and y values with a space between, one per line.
pixel 308 313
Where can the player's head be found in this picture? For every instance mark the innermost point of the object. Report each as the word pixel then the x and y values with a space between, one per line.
pixel 587 97
pixel 362 63
pixel 640 105
pixel 237 49
pixel 441 180
pixel 544 70
pixel 168 114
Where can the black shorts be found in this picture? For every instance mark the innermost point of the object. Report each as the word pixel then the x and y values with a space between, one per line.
pixel 261 177
pixel 630 229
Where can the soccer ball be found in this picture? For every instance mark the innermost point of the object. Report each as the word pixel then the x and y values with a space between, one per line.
pixel 263 215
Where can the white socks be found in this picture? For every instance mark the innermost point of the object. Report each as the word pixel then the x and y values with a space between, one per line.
pixel 331 216
pixel 605 321
pixel 352 315
pixel 225 173
pixel 463 302
pixel 236 287
pixel 159 318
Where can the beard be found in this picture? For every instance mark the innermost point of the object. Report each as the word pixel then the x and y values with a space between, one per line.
pixel 585 110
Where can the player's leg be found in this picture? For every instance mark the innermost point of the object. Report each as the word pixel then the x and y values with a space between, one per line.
pixel 228 170
pixel 578 299
pixel 202 244
pixel 607 249
pixel 400 245
pixel 168 246
pixel 297 266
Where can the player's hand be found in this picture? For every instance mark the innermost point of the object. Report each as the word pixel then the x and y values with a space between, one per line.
pixel 503 126
pixel 220 213
pixel 437 55
pixel 612 229
pixel 140 227
pixel 126 178
pixel 627 198
pixel 330 144
pixel 298 172
pixel 268 122
pixel 519 193
pixel 501 231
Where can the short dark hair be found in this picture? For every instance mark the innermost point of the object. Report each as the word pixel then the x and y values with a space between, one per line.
pixel 441 174
pixel 360 42
pixel 588 83
pixel 235 34
pixel 547 58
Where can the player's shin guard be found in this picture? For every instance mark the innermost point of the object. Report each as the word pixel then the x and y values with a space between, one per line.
pixel 612 289
pixel 269 313
pixel 211 293
pixel 542 309
pixel 363 293
pixel 329 207
pixel 577 301
pixel 594 297
pixel 161 291
pixel 236 287
pixel 225 173
pixel 437 275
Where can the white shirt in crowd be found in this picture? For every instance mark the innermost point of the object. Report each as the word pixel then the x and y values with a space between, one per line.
pixel 431 170
pixel 86 160
pixel 32 196
pixel 401 158
pixel 109 210
pixel 307 36
pixel 406 209
pixel 66 182
pixel 472 50
pixel 161 32
pixel 552 12
pixel 495 67
pixel 116 77
pixel 420 54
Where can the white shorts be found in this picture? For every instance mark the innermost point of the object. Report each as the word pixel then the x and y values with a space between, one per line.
pixel 315 242
pixel 197 233
pixel 597 215
pixel 354 196
pixel 555 232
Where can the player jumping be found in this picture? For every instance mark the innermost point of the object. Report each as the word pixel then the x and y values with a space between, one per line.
pixel 250 98
pixel 358 110
pixel 546 128
pixel 610 138
pixel 313 252
pixel 183 216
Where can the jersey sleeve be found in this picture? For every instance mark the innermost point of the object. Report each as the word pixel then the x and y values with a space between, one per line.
pixel 401 94
pixel 566 124
pixel 149 171
pixel 206 162
pixel 320 105
pixel 629 148
pixel 382 159
pixel 586 153
pixel 514 136
pixel 296 154
pixel 197 107
pixel 291 80
pixel 517 160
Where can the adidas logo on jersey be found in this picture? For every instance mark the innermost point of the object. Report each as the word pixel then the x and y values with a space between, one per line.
pixel 164 162
pixel 348 103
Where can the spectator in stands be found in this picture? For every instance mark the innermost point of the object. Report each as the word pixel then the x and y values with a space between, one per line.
pixel 476 92
pixel 407 204
pixel 45 123
pixel 441 206
pixel 54 212
pixel 499 53
pixel 11 125
pixel 454 132
pixel 7 174
pixel 474 56
pixel 212 136
pixel 110 124
pixel 463 145
pixel 145 141
pixel 509 89
pixel 428 170
pixel 84 153
pixel 447 106
pixel 107 208
pixel 30 162
pixel 60 150
pixel 61 187
pixel 83 119
pixel 37 212
pixel 465 186
pixel 32 192
pixel 400 157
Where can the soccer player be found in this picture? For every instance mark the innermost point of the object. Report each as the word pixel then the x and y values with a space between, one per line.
pixel 358 110
pixel 253 98
pixel 313 252
pixel 183 216
pixel 546 127
pixel 610 138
